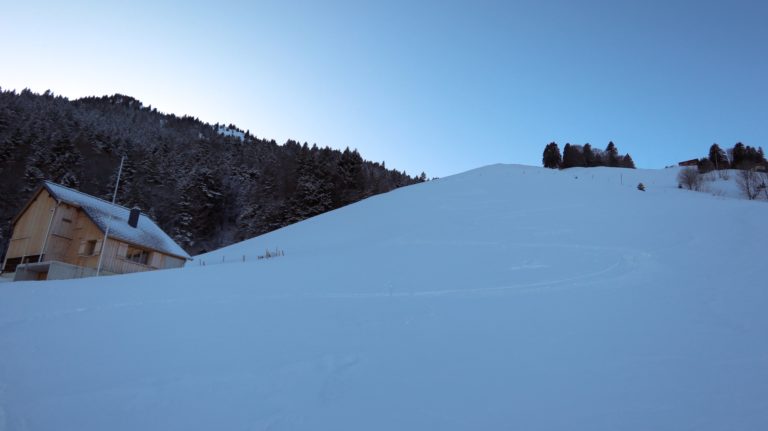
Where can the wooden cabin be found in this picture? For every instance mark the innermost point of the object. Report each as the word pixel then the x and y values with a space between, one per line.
pixel 60 234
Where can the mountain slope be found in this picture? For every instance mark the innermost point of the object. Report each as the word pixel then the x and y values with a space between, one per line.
pixel 508 297
pixel 206 185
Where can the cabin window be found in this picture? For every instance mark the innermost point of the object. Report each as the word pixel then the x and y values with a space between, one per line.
pixel 137 255
pixel 90 248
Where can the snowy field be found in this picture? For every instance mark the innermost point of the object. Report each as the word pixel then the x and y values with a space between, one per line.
pixel 507 297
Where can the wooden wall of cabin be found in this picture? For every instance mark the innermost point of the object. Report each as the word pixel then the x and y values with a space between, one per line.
pixel 85 231
pixel 116 260
pixel 63 230
pixel 87 247
pixel 29 231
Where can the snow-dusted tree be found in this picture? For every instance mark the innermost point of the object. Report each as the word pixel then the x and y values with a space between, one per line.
pixel 689 178
pixel 314 187
pixel 8 147
pixel 59 162
pixel 751 182
pixel 200 207
pixel 350 173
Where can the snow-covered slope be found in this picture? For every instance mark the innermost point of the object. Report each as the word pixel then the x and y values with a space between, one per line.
pixel 226 131
pixel 508 297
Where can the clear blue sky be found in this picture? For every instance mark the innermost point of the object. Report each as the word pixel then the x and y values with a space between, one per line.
pixel 439 86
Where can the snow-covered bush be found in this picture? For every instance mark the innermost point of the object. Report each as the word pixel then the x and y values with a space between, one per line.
pixel 752 183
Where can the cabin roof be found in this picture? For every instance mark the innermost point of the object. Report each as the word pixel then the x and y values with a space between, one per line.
pixel 104 213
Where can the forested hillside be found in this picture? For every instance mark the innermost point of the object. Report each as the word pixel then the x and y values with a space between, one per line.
pixel 205 184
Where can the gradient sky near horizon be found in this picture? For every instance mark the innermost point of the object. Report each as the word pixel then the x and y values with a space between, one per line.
pixel 438 86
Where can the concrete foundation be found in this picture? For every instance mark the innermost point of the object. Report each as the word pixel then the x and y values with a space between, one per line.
pixel 52 270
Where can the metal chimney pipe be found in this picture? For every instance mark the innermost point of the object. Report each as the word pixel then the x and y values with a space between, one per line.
pixel 133 219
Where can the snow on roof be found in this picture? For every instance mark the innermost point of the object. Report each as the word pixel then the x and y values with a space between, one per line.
pixel 104 213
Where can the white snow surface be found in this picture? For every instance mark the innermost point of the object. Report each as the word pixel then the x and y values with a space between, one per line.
pixel 106 214
pixel 226 131
pixel 508 297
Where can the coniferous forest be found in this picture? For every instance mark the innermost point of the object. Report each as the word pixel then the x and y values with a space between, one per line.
pixel 207 185
pixel 584 156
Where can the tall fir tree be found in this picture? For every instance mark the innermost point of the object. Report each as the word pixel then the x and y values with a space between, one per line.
pixel 551 158
pixel 627 162
pixel 740 155
pixel 589 156
pixel 612 155
pixel 717 157
pixel 573 156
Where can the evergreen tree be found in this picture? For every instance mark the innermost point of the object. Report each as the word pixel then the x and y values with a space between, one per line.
pixel 627 162
pixel 9 147
pixel 573 156
pixel 739 155
pixel 551 157
pixel 704 165
pixel 350 174
pixel 59 163
pixel 717 157
pixel 612 155
pixel 200 207
pixel 567 157
pixel 752 157
pixel 599 157
pixel 314 187
pixel 589 156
